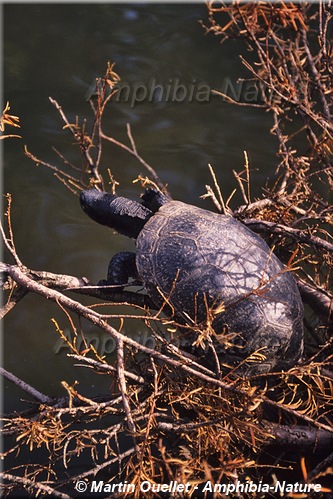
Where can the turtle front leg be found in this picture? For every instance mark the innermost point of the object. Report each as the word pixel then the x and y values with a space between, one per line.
pixel 122 266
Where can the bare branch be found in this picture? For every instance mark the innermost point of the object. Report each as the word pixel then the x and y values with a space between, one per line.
pixel 133 152
pixel 94 317
pixel 105 368
pixel 44 399
pixel 123 386
pixel 32 485
pixel 298 234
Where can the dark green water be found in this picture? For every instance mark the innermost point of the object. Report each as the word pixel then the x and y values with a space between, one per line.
pixel 58 51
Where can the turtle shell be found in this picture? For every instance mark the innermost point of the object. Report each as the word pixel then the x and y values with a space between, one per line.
pixel 219 276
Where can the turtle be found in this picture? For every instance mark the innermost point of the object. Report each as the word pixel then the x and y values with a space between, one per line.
pixel 220 280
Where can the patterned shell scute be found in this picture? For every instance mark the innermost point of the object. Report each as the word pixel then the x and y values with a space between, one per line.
pixel 200 260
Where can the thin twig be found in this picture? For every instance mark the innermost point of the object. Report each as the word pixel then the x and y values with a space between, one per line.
pixel 298 234
pixel 30 484
pixel 9 241
pixel 103 367
pixel 123 386
pixel 44 399
pixel 133 152
pixel 218 190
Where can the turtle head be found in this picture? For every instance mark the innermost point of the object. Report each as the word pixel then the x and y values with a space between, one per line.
pixel 124 215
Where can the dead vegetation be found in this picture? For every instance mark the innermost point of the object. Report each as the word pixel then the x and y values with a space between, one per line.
pixel 169 418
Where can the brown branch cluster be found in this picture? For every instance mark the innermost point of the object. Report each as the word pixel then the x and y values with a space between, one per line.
pixel 291 65
pixel 164 396
pixel 293 71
